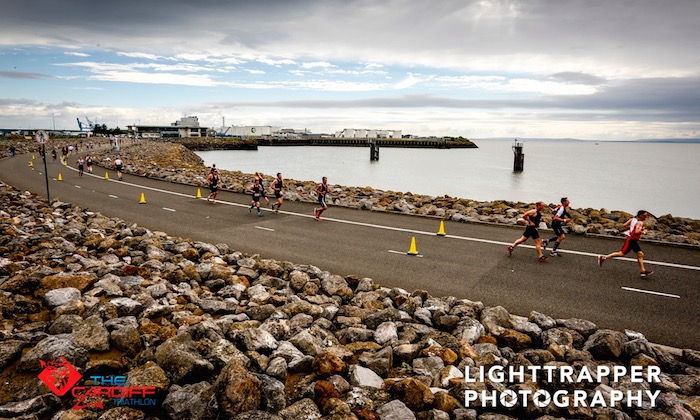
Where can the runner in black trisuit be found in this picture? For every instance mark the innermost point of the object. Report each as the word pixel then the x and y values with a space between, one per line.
pixel 561 217
pixel 532 218
pixel 322 189
pixel 257 191
pixel 277 186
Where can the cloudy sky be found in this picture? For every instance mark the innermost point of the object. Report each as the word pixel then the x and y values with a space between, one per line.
pixel 587 69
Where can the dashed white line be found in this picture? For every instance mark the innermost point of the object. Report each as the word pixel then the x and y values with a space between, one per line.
pixel 78 186
pixel 264 228
pixel 403 253
pixel 112 196
pixel 168 209
pixel 651 292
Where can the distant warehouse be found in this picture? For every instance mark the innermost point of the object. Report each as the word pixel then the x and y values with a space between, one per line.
pixel 353 133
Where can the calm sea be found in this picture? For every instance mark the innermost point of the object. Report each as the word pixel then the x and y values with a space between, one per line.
pixel 661 178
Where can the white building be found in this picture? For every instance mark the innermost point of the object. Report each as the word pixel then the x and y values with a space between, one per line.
pixel 365 133
pixel 251 131
pixel 184 127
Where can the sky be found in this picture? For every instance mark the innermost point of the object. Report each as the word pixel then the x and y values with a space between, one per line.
pixel 585 69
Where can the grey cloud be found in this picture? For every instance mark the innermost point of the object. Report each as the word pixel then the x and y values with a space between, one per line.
pixel 23 75
pixel 578 78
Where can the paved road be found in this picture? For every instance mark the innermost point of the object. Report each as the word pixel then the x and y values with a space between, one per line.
pixel 470 262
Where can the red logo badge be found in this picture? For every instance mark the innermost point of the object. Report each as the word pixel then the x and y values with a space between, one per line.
pixel 59 375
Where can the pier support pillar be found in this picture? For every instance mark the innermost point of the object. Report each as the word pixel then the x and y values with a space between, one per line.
pixel 519 162
pixel 373 151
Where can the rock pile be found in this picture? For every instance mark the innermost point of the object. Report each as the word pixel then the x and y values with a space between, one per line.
pixel 219 334
pixel 175 163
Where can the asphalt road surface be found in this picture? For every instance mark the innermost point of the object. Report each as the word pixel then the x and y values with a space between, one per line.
pixel 469 262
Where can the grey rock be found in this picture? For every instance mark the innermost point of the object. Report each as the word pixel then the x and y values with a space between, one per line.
pixel 127 306
pixel 543 321
pixel 51 348
pixel 91 334
pixel 582 326
pixel 430 366
pixel 195 401
pixel 273 398
pixel 62 296
pixel 9 351
pixel 361 376
pixel 37 406
pixel 307 343
pixel 303 409
pixel 496 320
pixel 65 324
pixel 469 330
pixel 259 340
pixel 606 344
pixel 126 339
pixel 179 358
pixel 395 410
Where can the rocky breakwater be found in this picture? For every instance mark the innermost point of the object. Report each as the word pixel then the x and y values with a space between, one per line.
pixel 175 163
pixel 214 333
pixel 217 143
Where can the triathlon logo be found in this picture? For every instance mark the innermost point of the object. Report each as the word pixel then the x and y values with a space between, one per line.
pixel 59 375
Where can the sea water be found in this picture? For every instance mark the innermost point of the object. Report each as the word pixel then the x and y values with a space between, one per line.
pixel 662 178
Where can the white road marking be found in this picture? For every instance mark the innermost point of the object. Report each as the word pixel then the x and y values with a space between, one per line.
pixel 113 196
pixel 632 289
pixel 78 186
pixel 417 232
pixel 168 209
pixel 264 228
pixel 403 253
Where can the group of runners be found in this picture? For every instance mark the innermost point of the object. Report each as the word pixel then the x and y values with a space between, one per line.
pixel 532 219
pixel 258 191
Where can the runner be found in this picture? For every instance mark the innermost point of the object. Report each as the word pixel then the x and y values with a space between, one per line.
pixel 213 179
pixel 532 218
pixel 257 191
pixel 88 162
pixel 277 186
pixel 81 165
pixel 636 230
pixel 561 217
pixel 53 154
pixel 322 189
pixel 118 165
pixel 261 181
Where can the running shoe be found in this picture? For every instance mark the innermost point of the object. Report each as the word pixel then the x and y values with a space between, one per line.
pixel 543 258
pixel 260 214
pixel 554 254
pixel 545 242
pixel 510 250
pixel 601 260
pixel 250 209
pixel 315 212
pixel 646 273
